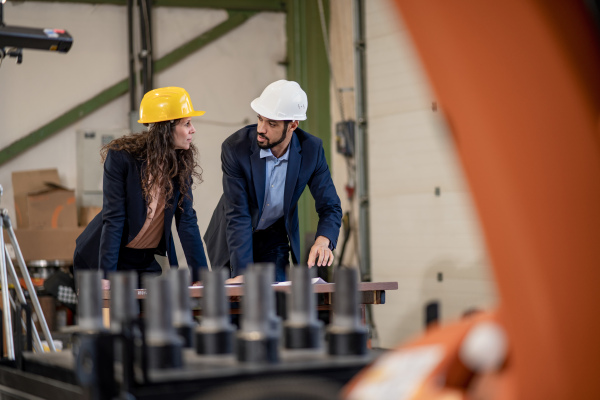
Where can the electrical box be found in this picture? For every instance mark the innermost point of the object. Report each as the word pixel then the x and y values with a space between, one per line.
pixel 344 137
pixel 89 164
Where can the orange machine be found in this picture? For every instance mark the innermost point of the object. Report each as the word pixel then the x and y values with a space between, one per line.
pixel 519 82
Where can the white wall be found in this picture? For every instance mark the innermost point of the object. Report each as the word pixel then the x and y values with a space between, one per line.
pixel 46 84
pixel 222 78
pixel 415 235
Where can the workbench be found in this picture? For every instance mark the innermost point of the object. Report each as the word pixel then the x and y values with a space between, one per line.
pixel 369 293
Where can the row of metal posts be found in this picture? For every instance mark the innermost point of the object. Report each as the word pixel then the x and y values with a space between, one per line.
pixel 169 327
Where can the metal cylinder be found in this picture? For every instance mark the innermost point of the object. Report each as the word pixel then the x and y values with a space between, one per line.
pixel 182 312
pixel 162 342
pixel 215 333
pixel 123 304
pixel 255 303
pixel 268 271
pixel 347 334
pixel 302 330
pixel 215 306
pixel 302 302
pixel 258 338
pixel 258 305
pixel 89 308
pixel 180 282
pixel 345 299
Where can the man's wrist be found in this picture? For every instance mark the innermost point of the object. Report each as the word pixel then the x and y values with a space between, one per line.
pixel 329 242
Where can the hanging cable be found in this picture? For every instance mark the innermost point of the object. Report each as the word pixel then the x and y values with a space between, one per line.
pixel 328 53
pixel 131 57
pixel 146 52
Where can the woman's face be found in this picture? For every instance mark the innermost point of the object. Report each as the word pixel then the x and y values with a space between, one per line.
pixel 182 135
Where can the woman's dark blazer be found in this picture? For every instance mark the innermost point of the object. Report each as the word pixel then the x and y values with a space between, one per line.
pixel 123 215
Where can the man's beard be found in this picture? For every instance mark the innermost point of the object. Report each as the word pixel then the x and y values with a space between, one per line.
pixel 270 145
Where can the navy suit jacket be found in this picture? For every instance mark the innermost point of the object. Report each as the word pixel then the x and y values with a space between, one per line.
pixel 229 234
pixel 124 213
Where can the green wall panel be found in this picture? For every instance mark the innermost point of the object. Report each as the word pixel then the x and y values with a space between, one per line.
pixel 308 66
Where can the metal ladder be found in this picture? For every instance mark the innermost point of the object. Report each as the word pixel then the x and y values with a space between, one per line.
pixel 8 304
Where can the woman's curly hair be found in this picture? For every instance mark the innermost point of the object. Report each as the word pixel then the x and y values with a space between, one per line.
pixel 163 163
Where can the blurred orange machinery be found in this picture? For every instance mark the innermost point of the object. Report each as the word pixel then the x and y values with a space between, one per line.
pixel 519 83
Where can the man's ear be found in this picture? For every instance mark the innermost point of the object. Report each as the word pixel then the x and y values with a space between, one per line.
pixel 293 125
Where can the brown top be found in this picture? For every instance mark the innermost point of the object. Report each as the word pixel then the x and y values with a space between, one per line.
pixel 152 231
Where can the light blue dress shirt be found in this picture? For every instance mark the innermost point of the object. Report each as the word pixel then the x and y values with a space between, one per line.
pixel 274 187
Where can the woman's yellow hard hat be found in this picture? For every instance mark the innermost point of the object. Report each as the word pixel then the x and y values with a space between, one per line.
pixel 165 104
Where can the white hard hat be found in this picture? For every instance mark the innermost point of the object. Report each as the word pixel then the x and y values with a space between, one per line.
pixel 282 100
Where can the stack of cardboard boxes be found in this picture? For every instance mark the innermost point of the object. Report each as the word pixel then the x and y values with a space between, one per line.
pixel 46 216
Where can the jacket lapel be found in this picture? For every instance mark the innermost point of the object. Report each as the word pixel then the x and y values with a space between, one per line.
pixel 258 173
pixel 294 161
pixel 170 211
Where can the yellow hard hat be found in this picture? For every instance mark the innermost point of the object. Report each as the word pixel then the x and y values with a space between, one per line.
pixel 166 104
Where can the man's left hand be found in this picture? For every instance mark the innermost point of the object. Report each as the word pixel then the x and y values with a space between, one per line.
pixel 320 253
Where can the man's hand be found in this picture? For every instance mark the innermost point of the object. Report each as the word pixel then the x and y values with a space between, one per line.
pixel 320 253
pixel 237 279
pixel 105 284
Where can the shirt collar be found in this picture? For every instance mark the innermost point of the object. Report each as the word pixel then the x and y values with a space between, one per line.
pixel 267 153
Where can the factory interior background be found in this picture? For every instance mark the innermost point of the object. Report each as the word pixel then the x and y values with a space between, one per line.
pixel 421 228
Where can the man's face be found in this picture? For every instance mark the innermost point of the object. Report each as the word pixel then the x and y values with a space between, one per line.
pixel 270 132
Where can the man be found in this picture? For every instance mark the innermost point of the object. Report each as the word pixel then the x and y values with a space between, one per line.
pixel 266 167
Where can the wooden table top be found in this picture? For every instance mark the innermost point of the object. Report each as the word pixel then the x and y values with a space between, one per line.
pixel 238 290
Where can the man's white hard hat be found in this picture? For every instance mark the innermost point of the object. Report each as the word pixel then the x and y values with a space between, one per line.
pixel 282 100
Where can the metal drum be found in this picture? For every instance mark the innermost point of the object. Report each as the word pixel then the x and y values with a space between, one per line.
pixel 42 269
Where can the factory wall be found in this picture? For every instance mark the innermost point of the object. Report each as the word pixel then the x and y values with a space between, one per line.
pixel 424 229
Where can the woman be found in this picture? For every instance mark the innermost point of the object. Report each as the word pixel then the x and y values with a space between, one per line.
pixel 148 179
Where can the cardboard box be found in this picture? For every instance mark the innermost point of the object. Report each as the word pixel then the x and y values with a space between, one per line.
pixel 41 202
pixel 52 208
pixel 48 244
pixel 87 214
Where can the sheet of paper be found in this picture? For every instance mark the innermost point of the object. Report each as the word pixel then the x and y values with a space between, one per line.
pixel 315 281
pixel 288 283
